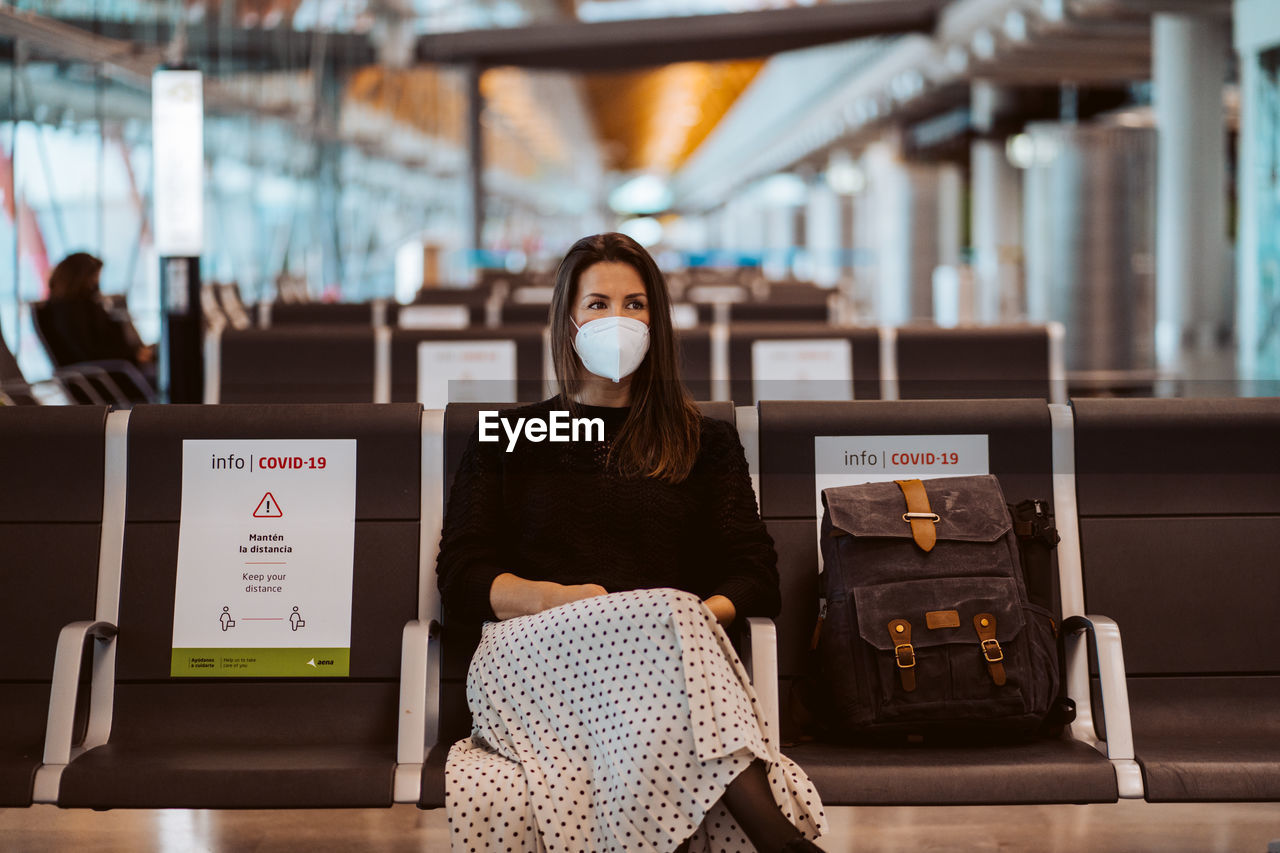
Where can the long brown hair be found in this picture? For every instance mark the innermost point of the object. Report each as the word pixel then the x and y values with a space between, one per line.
pixel 661 434
pixel 75 277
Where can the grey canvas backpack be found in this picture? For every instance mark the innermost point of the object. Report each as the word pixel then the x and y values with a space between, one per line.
pixel 928 629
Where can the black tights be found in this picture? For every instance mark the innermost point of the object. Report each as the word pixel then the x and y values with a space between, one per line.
pixel 750 800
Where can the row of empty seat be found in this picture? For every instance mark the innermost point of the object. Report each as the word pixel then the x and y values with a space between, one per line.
pixel 1165 508
pixel 496 303
pixel 739 361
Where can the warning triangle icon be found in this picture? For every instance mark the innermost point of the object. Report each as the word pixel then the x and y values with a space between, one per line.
pixel 268 508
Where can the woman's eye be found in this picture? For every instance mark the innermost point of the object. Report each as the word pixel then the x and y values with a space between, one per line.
pixel 595 306
pixel 636 305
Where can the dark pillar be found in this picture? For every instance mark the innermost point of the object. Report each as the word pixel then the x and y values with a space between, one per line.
pixel 475 160
pixel 181 369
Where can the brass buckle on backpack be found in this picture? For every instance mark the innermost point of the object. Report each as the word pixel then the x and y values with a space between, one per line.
pixel 904 654
pixel 990 648
pixel 930 516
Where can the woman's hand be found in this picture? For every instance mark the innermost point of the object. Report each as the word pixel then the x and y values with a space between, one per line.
pixel 512 596
pixel 722 608
pixel 557 594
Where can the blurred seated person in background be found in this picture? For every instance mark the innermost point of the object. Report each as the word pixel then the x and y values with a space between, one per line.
pixel 77 326
pixel 609 709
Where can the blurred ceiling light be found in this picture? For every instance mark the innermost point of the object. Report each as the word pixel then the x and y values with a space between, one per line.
pixel 984 44
pixel 645 230
pixel 1134 118
pixel 1015 25
pixel 1026 150
pixel 843 174
pixel 1020 150
pixel 516 261
pixel 1053 10
pixel 642 194
pixel 592 11
pixel 783 190
pixel 907 85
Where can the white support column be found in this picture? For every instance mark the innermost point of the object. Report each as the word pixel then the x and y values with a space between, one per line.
pixel 822 234
pixel 883 227
pixel 1189 69
pixel 779 240
pixel 749 227
pixel 995 214
pixel 1257 29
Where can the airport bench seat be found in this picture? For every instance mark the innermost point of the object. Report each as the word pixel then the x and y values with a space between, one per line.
pixel 980 362
pixel 256 742
pixel 51 467
pixel 528 340
pixel 292 364
pixel 1021 455
pixel 1179 503
pixel 864 348
pixel 331 313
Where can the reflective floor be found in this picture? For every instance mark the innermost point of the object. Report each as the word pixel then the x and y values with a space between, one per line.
pixel 1125 826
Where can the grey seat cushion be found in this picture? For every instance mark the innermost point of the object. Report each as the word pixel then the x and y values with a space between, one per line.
pixel 213 776
pixel 234 744
pixel 1048 771
pixel 1207 738
pixel 26 707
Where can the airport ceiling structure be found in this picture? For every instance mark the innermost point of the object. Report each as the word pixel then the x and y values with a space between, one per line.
pixel 707 94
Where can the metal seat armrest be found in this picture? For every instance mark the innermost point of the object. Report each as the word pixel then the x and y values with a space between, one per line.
pixel 760 654
pixel 69 378
pixel 100 378
pixel 419 718
pixel 1108 657
pixel 50 392
pixel 130 371
pixel 65 689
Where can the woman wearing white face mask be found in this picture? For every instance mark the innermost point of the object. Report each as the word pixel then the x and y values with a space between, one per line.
pixel 609 711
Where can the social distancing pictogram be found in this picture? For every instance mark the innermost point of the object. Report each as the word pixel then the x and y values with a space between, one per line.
pixel 268 507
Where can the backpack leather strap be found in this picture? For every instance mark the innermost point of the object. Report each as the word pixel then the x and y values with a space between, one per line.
pixel 919 515
pixel 985 625
pixel 904 654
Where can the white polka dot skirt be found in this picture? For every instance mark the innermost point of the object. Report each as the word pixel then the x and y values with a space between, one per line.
pixel 612 724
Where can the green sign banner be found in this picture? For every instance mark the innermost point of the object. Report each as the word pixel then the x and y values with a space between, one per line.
pixel 261 663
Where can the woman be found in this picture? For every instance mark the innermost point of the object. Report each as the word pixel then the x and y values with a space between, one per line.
pixel 609 711
pixel 76 325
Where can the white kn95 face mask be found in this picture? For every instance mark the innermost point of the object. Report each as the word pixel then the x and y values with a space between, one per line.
pixel 611 347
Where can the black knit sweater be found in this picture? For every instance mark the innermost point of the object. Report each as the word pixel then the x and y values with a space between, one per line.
pixel 553 512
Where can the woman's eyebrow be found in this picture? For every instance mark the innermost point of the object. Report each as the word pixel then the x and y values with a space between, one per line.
pixel 640 294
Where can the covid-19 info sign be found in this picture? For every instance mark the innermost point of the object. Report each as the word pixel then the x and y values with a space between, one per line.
pixel 849 460
pixel 265 555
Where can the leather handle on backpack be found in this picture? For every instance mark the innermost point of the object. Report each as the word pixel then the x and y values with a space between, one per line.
pixel 919 515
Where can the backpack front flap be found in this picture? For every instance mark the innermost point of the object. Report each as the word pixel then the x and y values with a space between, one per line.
pixel 970 510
